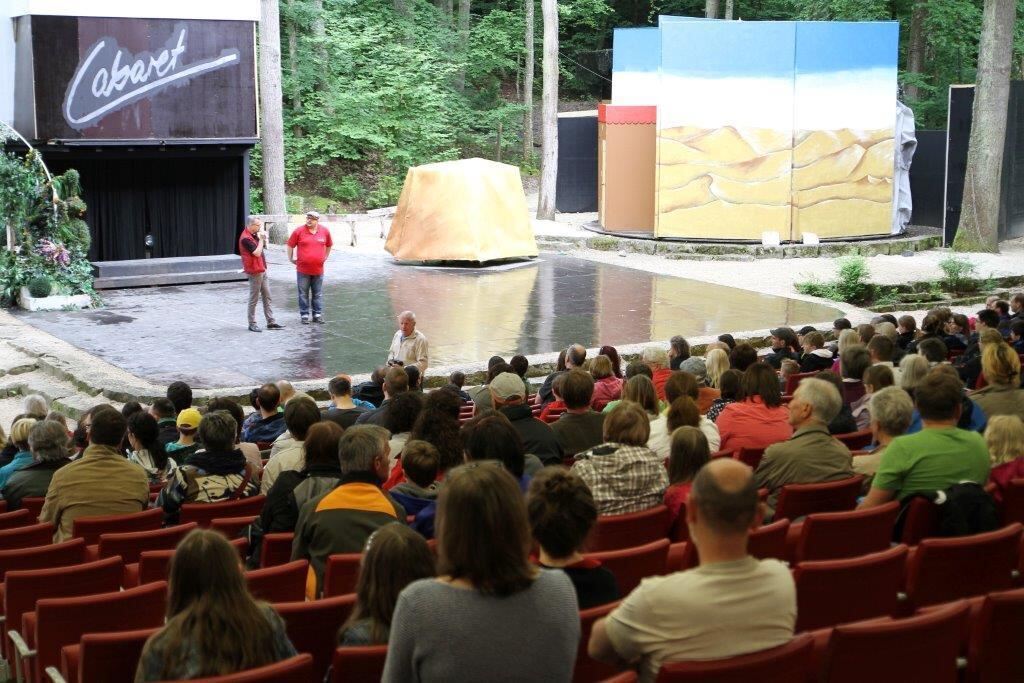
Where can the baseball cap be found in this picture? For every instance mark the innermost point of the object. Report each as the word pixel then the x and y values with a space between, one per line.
pixel 313 214
pixel 189 418
pixel 695 365
pixel 506 385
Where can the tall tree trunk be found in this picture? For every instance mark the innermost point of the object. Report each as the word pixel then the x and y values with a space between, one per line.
pixel 979 212
pixel 916 46
pixel 528 83
pixel 711 9
pixel 449 10
pixel 295 93
pixel 460 77
pixel 549 112
pixel 729 9
pixel 271 123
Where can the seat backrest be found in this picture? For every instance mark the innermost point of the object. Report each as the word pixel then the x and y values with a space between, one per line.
pixel 799 500
pixel 680 529
pixel 630 565
pixel 154 564
pixel 63 621
pixel 783 664
pixel 918 520
pixel 1013 502
pixel 341 574
pixel 830 592
pixel 313 627
pixel 232 526
pixel 856 440
pixel 358 664
pixel 283 583
pixel 276 548
pixel 994 653
pixel 588 669
pixel 110 656
pixel 42 557
pixel 835 535
pixel 765 542
pixel 793 381
pixel 920 648
pixel 298 669
pixel 130 544
pixel 26 536
pixel 750 456
pixel 18 518
pixel 23 588
pixel 204 513
pixel 945 569
pixel 90 528
pixel 613 532
pixel 34 504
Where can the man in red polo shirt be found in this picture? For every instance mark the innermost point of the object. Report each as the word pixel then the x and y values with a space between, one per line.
pixel 251 245
pixel 308 248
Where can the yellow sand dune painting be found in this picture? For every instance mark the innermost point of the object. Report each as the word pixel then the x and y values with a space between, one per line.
pixel 736 182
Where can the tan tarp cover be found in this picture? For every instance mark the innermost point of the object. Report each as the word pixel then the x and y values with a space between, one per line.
pixel 466 210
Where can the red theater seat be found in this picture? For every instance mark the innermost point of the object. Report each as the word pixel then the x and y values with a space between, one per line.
pixel 793 381
pixel 630 565
pixel 91 528
pixel 945 569
pixel 835 535
pixel 34 504
pixel 613 532
pixel 231 527
pixel 994 652
pixel 26 536
pixel 42 557
pixel 919 648
pixel 783 664
pixel 358 664
pixel 276 549
pixel 1013 502
pixel 153 565
pixel 831 592
pixel 203 514
pixel 130 545
pixel 588 670
pixel 920 520
pixel 765 542
pixel 104 657
pixel 856 440
pixel 313 627
pixel 800 500
pixel 750 456
pixel 283 583
pixel 298 669
pixel 341 574
pixel 18 518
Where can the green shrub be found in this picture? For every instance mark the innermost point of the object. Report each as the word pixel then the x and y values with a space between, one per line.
pixel 959 274
pixel 849 286
pixel 386 193
pixel 40 287
pixel 347 188
pixel 255 199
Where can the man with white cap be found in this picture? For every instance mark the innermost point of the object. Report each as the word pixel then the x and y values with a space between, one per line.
pixel 308 248
pixel 508 395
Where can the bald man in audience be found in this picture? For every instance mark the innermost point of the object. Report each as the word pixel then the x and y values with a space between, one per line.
pixel 732 604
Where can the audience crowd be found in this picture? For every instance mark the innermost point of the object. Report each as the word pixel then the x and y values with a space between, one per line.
pixel 508 480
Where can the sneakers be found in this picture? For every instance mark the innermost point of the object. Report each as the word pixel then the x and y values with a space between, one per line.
pixel 318 319
pixel 254 328
pixel 305 320
pixel 275 326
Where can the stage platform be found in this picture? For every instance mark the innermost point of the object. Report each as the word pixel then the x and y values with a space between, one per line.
pixel 198 333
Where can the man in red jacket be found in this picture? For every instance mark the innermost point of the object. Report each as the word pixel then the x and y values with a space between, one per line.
pixel 251 245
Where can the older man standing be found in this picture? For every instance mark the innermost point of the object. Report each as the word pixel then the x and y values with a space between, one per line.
pixel 251 247
pixel 308 248
pixel 409 345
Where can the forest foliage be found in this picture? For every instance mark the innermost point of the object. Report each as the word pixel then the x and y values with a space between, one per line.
pixel 372 88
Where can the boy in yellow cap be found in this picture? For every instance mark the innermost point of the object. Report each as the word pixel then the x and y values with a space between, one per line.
pixel 188 424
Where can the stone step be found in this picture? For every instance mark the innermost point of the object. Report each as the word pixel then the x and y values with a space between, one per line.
pixel 15 362
pixel 158 279
pixel 159 266
pixel 36 382
pixel 75 405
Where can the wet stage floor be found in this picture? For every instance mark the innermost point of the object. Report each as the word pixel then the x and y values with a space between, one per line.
pixel 198 332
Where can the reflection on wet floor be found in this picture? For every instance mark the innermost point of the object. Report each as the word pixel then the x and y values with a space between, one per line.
pixel 198 333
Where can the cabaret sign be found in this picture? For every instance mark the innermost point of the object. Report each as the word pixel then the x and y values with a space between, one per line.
pixel 110 78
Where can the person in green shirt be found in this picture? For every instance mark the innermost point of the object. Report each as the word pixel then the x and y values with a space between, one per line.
pixel 938 456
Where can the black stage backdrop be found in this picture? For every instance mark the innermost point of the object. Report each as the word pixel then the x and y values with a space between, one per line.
pixel 191 206
pixel 576 184
pixel 928 177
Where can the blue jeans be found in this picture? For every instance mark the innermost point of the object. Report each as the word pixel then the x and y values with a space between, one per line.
pixel 310 285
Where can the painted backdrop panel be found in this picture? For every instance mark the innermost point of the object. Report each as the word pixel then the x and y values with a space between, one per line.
pixel 845 113
pixel 725 129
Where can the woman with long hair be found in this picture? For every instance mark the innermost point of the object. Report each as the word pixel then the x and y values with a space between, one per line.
pixel 757 419
pixel 613 356
pixel 147 451
pixel 394 557
pixel 457 626
pixel 1002 394
pixel 438 425
pixel 607 387
pixel 214 627
pixel 717 363
pixel 688 454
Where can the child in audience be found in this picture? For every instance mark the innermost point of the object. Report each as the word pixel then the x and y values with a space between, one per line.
pixel 394 557
pixel 456 381
pixel 1017 335
pixel 558 405
pixel 689 452
pixel 562 512
pixel 188 425
pixel 729 386
pixel 214 627
pixel 420 461
pixel 907 329
pixel 1004 437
